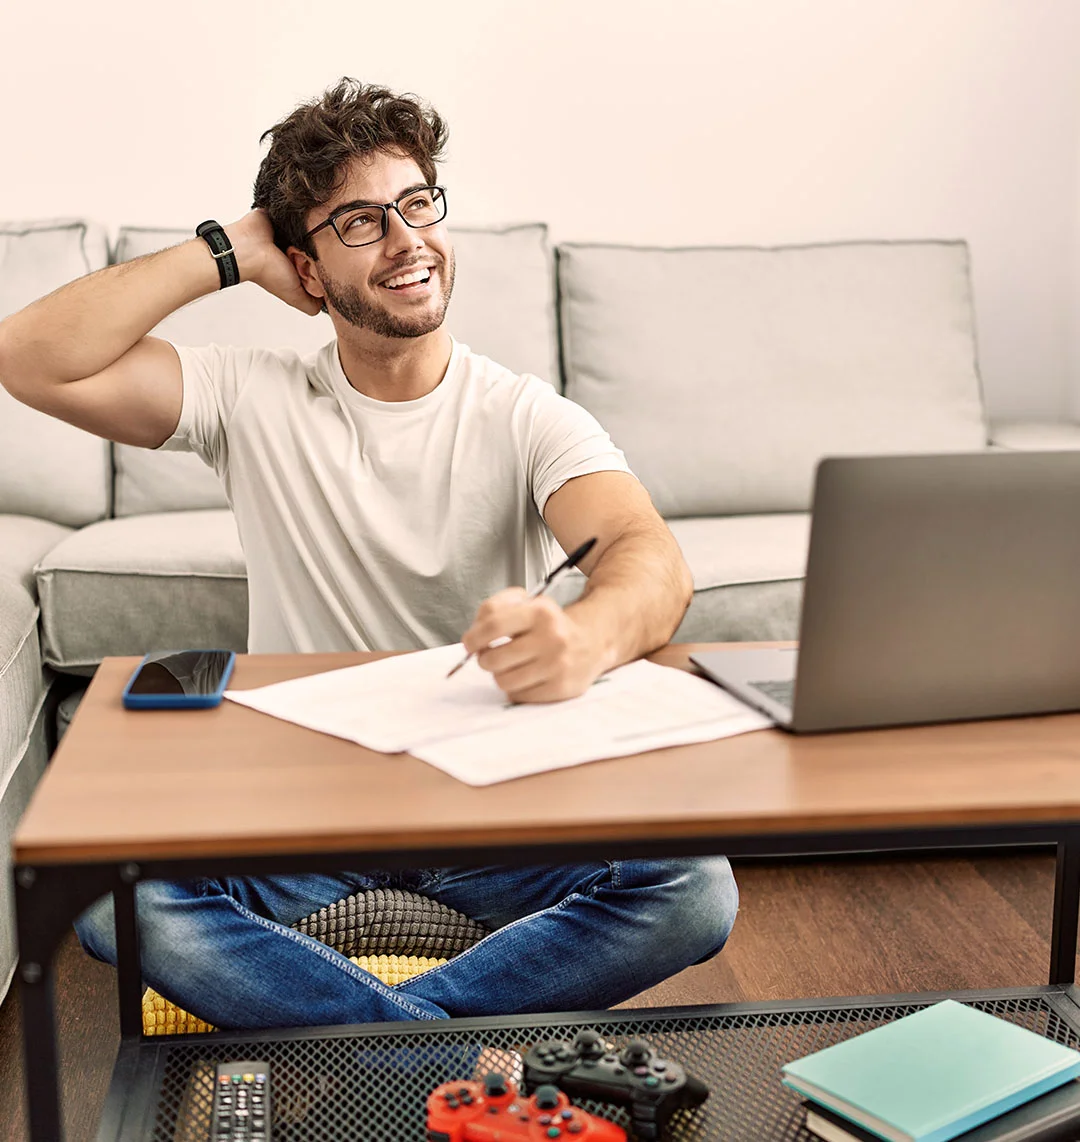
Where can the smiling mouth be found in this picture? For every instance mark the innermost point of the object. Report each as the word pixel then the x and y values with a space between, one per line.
pixel 408 282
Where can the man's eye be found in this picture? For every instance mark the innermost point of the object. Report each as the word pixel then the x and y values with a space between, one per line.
pixel 420 202
pixel 352 220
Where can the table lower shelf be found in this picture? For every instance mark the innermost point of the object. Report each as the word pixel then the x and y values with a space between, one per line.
pixel 370 1083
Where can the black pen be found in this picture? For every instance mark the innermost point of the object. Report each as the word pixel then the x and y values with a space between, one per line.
pixel 541 588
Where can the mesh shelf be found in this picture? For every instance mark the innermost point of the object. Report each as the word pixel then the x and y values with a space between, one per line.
pixel 373 1088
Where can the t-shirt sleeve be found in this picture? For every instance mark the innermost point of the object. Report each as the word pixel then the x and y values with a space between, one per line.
pixel 214 376
pixel 565 441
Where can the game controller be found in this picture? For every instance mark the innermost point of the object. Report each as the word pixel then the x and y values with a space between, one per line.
pixel 651 1088
pixel 494 1111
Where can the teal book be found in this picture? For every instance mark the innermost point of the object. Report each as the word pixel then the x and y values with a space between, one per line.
pixel 932 1075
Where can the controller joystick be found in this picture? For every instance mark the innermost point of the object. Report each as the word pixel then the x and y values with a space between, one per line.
pixel 494 1111
pixel 494 1085
pixel 636 1053
pixel 651 1088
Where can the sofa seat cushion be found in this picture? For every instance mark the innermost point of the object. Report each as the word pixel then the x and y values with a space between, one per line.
pixel 748 573
pixel 724 375
pixel 23 541
pixel 22 681
pixel 48 468
pixel 163 581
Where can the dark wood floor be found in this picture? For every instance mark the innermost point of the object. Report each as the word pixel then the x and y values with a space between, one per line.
pixel 815 928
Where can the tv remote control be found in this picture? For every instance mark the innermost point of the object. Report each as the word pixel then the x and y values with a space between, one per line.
pixel 241 1103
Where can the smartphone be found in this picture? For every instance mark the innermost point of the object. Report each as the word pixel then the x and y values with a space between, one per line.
pixel 179 679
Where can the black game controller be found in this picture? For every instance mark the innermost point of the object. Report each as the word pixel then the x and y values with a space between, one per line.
pixel 650 1087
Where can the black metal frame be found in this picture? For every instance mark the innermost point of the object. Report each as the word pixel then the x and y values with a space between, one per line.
pixel 49 897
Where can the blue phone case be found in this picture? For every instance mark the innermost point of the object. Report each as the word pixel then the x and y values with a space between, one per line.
pixel 178 701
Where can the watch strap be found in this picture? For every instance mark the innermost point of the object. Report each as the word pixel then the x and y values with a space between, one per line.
pixel 213 233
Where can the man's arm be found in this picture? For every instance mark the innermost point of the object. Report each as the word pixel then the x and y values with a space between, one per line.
pixel 638 590
pixel 82 353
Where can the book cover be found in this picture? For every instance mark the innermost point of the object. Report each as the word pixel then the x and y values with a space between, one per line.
pixel 932 1075
pixel 1053 1117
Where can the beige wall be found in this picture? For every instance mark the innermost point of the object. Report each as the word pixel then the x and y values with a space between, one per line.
pixel 682 122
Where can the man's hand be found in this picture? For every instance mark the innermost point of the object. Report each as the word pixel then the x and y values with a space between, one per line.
pixel 549 656
pixel 260 261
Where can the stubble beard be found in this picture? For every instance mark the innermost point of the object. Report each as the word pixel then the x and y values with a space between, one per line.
pixel 356 310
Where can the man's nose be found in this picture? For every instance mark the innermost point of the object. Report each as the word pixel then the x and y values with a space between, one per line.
pixel 400 238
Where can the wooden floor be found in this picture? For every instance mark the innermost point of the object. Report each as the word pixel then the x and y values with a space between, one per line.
pixel 814 928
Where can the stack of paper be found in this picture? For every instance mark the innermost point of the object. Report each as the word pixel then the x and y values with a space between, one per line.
pixel 466 726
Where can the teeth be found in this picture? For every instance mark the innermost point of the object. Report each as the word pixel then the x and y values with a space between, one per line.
pixel 406 279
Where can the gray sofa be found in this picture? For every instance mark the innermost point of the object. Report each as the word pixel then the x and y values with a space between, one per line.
pixel 724 374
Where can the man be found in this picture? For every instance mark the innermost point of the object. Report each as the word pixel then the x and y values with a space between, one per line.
pixel 386 490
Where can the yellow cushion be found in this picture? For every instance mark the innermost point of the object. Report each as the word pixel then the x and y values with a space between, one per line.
pixel 161 1017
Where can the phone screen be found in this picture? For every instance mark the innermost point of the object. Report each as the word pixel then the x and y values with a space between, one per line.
pixel 181 672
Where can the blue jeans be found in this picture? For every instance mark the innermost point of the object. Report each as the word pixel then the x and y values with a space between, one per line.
pixel 564 938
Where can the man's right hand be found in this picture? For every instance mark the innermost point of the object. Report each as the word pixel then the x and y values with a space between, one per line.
pixel 260 261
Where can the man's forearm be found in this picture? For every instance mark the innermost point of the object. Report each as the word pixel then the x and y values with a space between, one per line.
pixel 84 326
pixel 636 595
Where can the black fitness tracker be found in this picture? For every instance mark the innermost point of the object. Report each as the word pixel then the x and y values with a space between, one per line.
pixel 221 248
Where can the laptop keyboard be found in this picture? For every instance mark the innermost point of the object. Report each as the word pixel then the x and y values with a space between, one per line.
pixel 780 691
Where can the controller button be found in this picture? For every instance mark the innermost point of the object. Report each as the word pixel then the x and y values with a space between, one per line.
pixel 652 1080
pixel 618 1070
pixel 610 1058
pixel 671 1078
pixel 641 1070
pixel 513 1109
pixel 554 1132
pixel 567 1114
pixel 493 1110
pixel 544 1119
pixel 575 1128
pixel 659 1065
pixel 466 1099
pixel 494 1085
pixel 588 1062
pixel 462 1091
pixel 451 1103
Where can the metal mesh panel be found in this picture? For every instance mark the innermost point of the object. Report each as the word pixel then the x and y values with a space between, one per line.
pixel 373 1088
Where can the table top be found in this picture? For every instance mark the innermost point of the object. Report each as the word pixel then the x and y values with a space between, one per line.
pixel 231 782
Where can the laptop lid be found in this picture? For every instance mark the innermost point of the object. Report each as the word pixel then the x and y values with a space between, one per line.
pixel 941 588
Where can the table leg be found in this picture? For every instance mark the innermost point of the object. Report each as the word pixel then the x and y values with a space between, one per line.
pixel 1066 909
pixel 128 974
pixel 47 899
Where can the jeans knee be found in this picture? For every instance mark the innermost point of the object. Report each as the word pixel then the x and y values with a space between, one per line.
pixel 702 901
pixel 96 929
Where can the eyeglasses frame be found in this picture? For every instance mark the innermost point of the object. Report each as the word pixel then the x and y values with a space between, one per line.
pixel 385 207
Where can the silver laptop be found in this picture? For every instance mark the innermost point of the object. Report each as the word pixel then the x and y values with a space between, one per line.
pixel 938 589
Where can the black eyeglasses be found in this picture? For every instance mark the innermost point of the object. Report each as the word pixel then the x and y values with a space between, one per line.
pixel 363 225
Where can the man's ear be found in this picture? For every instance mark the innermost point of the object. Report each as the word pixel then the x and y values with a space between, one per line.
pixel 305 266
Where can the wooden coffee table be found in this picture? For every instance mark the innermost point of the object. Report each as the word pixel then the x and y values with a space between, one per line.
pixel 173 794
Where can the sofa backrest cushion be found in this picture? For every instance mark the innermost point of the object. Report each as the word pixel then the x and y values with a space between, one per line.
pixel 49 469
pixel 503 306
pixel 726 374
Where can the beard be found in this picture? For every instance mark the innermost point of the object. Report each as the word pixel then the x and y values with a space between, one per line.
pixel 370 314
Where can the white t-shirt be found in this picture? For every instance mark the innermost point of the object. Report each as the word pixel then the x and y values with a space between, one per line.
pixel 376 525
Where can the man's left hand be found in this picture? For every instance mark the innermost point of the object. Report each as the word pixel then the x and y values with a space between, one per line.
pixel 549 656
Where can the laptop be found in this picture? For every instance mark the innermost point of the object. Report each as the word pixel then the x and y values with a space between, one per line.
pixel 938 588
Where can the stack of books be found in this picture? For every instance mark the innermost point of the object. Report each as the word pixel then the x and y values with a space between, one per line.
pixel 946 1072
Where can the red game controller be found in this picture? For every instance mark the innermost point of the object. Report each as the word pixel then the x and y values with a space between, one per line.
pixel 493 1111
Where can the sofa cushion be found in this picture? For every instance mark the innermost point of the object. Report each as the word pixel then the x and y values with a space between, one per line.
pixel 48 468
pixel 748 573
pixel 151 582
pixel 23 541
pixel 726 374
pixel 22 681
pixel 503 306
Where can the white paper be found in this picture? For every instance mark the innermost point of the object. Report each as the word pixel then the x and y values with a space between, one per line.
pixel 466 726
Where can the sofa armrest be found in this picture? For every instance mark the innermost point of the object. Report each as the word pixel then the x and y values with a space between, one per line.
pixel 1035 436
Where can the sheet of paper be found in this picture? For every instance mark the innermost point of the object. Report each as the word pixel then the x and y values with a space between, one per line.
pixel 465 725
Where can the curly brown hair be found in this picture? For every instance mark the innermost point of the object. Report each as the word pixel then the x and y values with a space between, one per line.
pixel 311 148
